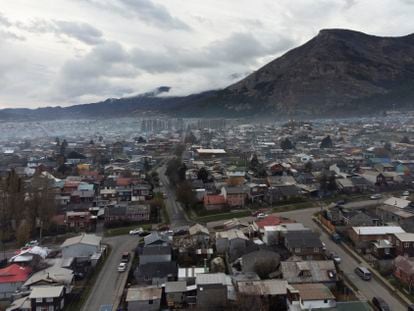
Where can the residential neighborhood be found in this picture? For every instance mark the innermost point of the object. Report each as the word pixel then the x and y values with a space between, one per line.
pixel 235 216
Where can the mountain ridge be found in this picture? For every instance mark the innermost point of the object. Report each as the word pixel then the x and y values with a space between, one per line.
pixel 339 72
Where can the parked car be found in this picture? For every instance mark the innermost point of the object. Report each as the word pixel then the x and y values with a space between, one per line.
pixel 256 213
pixel 363 273
pixel 376 196
pixel 336 237
pixel 136 231
pixel 341 202
pixel 323 246
pixel 122 267
pixel 380 304
pixel 406 193
pixel 335 258
pixel 261 215
pixel 125 257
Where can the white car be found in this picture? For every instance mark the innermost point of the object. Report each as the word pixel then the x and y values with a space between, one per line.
pixel 406 193
pixel 122 267
pixel 136 231
pixel 376 196
pixel 261 215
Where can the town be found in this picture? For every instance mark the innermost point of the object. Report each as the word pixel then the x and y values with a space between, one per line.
pixel 207 214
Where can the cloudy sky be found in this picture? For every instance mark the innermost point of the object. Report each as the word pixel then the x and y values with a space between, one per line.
pixel 62 52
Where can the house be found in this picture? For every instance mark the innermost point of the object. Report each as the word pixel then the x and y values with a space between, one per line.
pixel 226 241
pixel 84 245
pixel 363 236
pixel 156 239
pixel 235 196
pixel 383 249
pixel 155 254
pixel 51 276
pixel 311 297
pixel 20 304
pixel 282 192
pixel 404 270
pixel 404 244
pixel 199 234
pixel 175 293
pixel 356 218
pixel 11 279
pixel 212 291
pixel 141 192
pixel 306 244
pixel 79 221
pixel 312 271
pixel 47 298
pixel 144 298
pixel 214 202
pixel 268 293
pixel 127 213
pixel 156 273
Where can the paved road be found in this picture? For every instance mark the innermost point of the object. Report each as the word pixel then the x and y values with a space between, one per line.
pixel 367 289
pixel 109 282
pixel 174 209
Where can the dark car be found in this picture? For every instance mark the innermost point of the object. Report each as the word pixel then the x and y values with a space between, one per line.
pixel 380 304
pixel 336 237
pixel 341 202
pixel 410 308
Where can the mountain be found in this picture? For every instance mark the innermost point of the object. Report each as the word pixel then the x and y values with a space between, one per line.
pixel 337 73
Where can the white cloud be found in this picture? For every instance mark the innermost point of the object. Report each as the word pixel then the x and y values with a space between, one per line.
pixel 60 52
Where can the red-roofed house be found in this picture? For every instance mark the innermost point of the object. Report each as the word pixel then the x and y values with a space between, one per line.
pixel 271 220
pixel 123 182
pixel 11 279
pixel 214 202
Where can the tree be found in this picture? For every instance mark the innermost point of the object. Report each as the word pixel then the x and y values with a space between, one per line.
pixel 254 162
pixel 147 165
pixel 190 139
pixel 405 140
pixel 140 140
pixel 179 149
pixel 63 147
pixel 308 167
pixel 264 266
pixel 326 142
pixel 23 233
pixel 387 146
pixel 181 172
pixel 202 174
pixel 185 195
pixel 286 144
pixel 156 205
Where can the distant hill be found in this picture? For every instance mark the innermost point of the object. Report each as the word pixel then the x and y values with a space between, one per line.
pixel 337 73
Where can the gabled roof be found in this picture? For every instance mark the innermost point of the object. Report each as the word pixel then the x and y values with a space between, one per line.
pixel 46 292
pixel 89 239
pixel 314 291
pixel 197 228
pixel 14 274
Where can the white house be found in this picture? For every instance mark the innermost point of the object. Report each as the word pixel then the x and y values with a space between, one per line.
pixel 84 245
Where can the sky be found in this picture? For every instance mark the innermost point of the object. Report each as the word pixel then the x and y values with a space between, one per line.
pixel 65 52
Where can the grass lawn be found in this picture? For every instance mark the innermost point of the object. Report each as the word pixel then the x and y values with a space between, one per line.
pixel 125 230
pixel 223 216
pixel 292 207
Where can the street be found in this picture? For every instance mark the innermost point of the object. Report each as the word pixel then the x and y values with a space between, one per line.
pixel 175 211
pixel 107 287
pixel 368 289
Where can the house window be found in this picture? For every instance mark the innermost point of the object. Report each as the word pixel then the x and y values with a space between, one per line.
pixel 151 302
pixel 297 250
pixel 325 301
pixel 406 245
pixel 49 299
pixel 39 300
pixel 316 250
